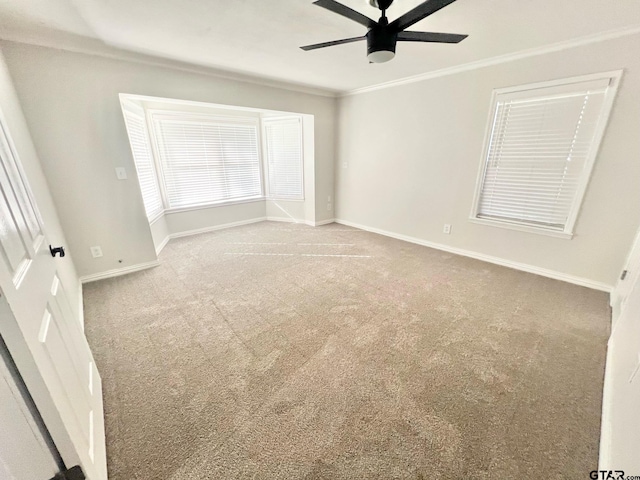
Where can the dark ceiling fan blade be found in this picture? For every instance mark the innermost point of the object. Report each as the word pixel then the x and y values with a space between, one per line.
pixel 331 44
pixel 418 13
pixel 345 11
pixel 431 37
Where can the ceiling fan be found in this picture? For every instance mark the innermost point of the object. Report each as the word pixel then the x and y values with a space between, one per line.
pixel 382 35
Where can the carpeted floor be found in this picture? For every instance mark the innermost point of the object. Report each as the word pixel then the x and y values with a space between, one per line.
pixel 281 351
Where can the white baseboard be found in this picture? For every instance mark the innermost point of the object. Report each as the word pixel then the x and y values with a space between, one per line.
pixel 584 282
pixel 143 266
pixel 162 244
pixel 305 222
pixel 118 271
pixel 197 231
pixel 188 233
pixel 284 219
pixel 322 222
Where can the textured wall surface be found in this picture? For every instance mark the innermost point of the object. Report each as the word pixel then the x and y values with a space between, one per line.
pixel 72 108
pixel 414 151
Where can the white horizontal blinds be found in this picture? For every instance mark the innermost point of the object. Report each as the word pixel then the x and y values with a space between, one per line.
pixel 143 158
pixel 208 161
pixel 283 139
pixel 539 146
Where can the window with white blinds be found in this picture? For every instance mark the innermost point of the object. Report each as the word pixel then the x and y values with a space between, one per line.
pixel 206 160
pixel 143 159
pixel 540 152
pixel 283 145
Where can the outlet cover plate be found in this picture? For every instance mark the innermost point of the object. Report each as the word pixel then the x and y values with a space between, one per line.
pixel 121 173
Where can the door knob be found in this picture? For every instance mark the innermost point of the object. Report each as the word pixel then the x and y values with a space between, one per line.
pixel 56 250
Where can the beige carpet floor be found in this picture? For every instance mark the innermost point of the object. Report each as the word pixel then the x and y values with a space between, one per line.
pixel 281 351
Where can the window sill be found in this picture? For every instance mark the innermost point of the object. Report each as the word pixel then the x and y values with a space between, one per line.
pixel 156 217
pixel 280 199
pixel 522 228
pixel 214 205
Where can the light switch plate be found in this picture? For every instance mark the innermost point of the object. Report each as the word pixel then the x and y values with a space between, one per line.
pixel 121 173
pixel 96 252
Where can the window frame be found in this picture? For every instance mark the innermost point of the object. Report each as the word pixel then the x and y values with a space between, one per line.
pixel 157 156
pixel 568 231
pixel 138 110
pixel 264 150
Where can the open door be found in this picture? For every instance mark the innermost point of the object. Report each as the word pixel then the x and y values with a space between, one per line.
pixel 620 427
pixel 628 278
pixel 42 334
pixel 24 449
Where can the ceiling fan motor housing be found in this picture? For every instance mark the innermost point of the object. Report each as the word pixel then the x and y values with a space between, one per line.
pixel 381 39
pixel 381 4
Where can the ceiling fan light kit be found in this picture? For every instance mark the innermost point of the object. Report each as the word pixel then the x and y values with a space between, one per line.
pixel 383 36
pixel 381 45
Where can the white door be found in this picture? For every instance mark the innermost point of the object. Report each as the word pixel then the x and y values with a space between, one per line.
pixel 628 278
pixel 620 434
pixel 24 451
pixel 54 339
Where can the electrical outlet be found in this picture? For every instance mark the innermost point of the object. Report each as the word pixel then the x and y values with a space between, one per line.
pixel 345 165
pixel 329 199
pixel 328 206
pixel 446 229
pixel 121 173
pixel 96 252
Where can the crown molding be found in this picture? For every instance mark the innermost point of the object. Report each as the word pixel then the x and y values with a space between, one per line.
pixel 510 57
pixel 89 46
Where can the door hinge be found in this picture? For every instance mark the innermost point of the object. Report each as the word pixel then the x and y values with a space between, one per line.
pixel 74 473
pixel 623 275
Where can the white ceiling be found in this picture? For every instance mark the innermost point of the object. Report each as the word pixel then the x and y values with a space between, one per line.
pixel 261 37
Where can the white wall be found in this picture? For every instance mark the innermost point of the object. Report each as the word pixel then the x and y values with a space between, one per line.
pixel 12 112
pixel 200 219
pixel 178 223
pixel 160 233
pixel 413 154
pixel 72 108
